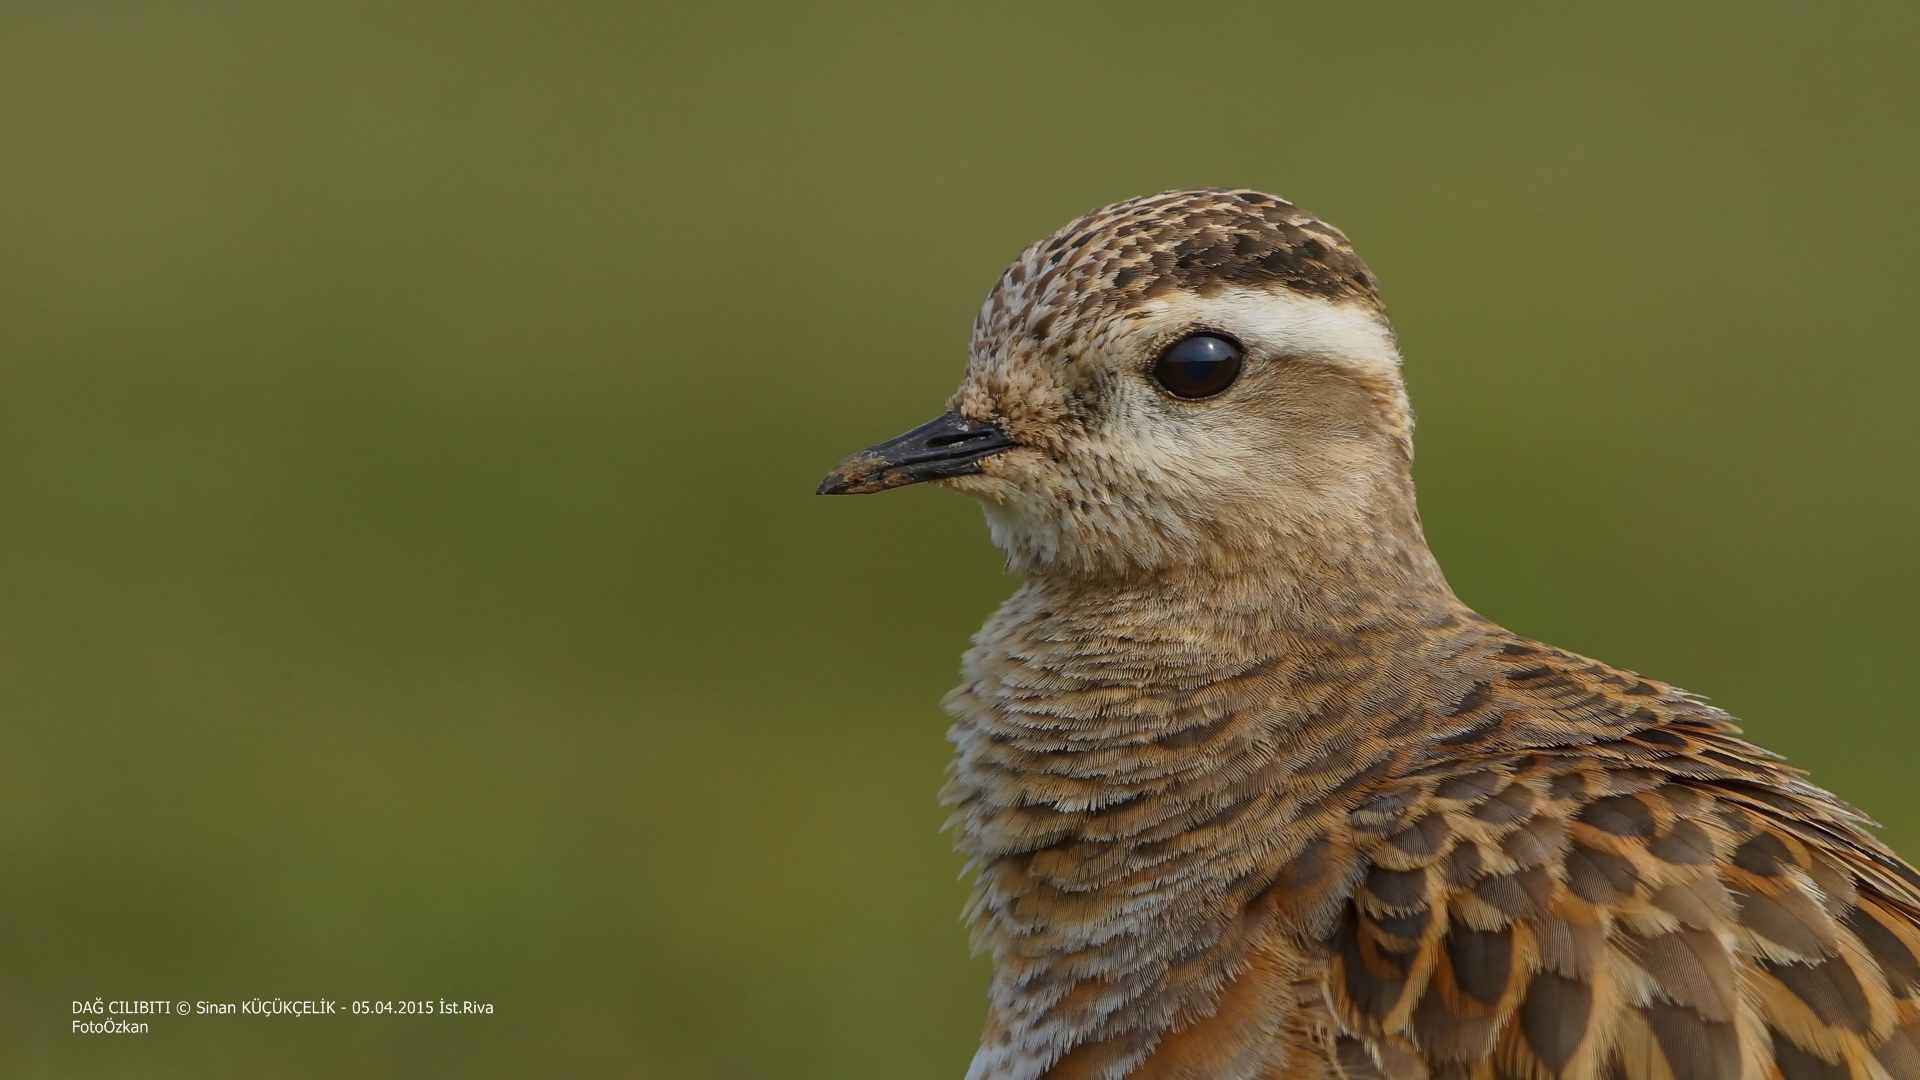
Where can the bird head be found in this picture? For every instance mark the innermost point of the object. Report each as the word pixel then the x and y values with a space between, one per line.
pixel 1191 379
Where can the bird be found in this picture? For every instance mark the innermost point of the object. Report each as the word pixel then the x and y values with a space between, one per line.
pixel 1248 793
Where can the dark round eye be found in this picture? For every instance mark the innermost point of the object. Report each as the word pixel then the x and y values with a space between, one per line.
pixel 1198 366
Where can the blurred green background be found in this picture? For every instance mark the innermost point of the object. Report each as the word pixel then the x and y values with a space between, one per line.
pixel 410 579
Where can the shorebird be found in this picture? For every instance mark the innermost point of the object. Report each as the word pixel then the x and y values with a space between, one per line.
pixel 1250 794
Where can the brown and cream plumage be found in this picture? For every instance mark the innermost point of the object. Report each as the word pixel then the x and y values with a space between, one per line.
pixel 1249 792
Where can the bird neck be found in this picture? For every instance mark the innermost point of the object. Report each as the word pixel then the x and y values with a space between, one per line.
pixel 1106 662
pixel 1303 568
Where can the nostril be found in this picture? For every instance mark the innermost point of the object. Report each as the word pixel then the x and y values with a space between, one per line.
pixel 958 437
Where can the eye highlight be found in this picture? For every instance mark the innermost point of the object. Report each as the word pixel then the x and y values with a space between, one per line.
pixel 1198 366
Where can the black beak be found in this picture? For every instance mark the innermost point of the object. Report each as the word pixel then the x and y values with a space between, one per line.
pixel 949 446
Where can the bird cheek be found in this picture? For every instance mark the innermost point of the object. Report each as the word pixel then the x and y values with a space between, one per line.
pixel 978 486
pixel 1004 475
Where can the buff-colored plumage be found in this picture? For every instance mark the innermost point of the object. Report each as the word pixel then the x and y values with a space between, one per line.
pixel 1251 795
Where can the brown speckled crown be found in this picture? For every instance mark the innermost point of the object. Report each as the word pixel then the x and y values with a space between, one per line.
pixel 1200 241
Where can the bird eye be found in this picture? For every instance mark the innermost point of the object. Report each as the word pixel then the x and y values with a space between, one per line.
pixel 1198 366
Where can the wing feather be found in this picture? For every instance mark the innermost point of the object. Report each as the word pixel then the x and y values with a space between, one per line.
pixel 1660 901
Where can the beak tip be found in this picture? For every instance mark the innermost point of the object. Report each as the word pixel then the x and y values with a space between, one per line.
pixel 853 476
